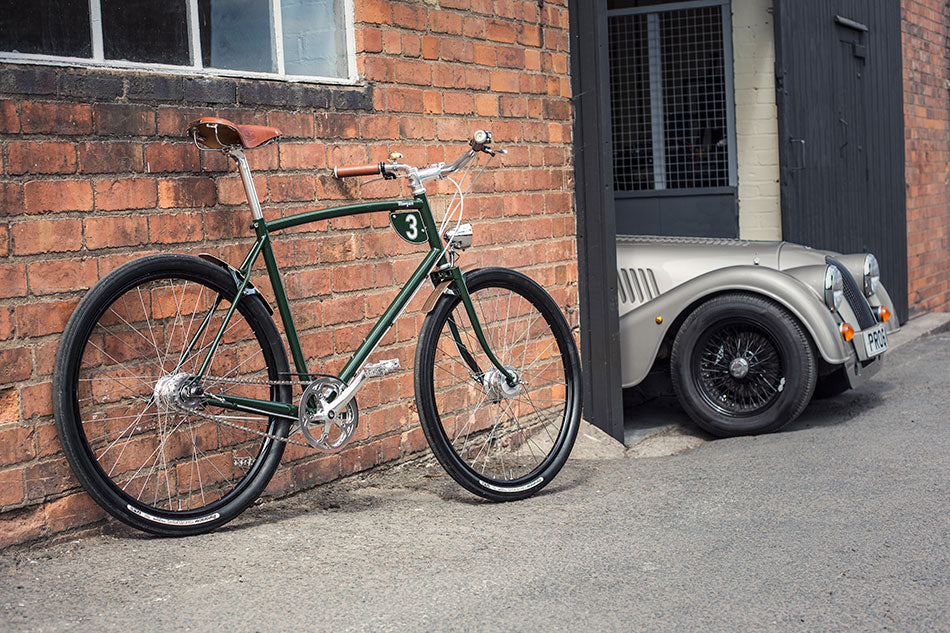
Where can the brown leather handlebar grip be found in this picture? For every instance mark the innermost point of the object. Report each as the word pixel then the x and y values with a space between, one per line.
pixel 358 170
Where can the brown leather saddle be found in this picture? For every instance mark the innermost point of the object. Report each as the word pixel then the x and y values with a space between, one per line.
pixel 215 133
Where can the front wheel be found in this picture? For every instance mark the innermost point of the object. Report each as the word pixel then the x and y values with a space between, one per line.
pixel 741 364
pixel 500 439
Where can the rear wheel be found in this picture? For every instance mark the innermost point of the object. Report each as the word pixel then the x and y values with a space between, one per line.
pixel 499 440
pixel 147 452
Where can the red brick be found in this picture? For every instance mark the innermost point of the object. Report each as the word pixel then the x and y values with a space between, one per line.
pixel 355 277
pixel 126 193
pixel 430 47
pixel 318 471
pixel 404 99
pixel 16 445
pixel 72 511
pixel 11 198
pixel 15 362
pixel 445 22
pixel 55 118
pixel 369 40
pixel 412 72
pixel 373 11
pixel 42 236
pixel 334 126
pixel 411 16
pixel 505 81
pixel 96 158
pixel 48 478
pixel 294 188
pixel 175 228
pixel 36 400
pixel 9 119
pixel 40 318
pixel 380 127
pixel 186 192
pixel 14 280
pixel 57 195
pixel 501 32
pixel 160 157
pixel 458 103
pixel 21 526
pixel 62 275
pixel 432 102
pixel 302 156
pixel 7 324
pixel 9 406
pixel 122 230
pixel 35 157
pixel 11 487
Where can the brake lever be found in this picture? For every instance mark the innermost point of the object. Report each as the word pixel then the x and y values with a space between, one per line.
pixel 492 152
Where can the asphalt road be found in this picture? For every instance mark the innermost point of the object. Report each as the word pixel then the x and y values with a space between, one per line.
pixel 839 523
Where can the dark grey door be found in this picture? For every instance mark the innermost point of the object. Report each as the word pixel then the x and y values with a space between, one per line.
pixel 841 130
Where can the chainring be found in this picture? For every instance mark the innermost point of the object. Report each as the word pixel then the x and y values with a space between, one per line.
pixel 337 427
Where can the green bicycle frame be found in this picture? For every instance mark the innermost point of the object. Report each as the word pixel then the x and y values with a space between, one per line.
pixel 434 259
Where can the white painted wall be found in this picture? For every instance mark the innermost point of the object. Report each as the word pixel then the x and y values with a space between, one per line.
pixel 753 42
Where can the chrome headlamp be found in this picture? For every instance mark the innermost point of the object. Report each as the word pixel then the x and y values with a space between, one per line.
pixel 872 275
pixel 834 287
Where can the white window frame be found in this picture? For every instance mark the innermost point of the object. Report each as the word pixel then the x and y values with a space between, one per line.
pixel 98 59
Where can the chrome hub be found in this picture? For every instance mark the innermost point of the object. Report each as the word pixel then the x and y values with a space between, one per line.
pixel 175 393
pixel 497 386
pixel 739 368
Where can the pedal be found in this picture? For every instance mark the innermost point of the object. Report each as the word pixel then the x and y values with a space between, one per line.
pixel 383 367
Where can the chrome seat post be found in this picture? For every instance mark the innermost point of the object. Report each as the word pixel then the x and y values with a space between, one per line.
pixel 237 154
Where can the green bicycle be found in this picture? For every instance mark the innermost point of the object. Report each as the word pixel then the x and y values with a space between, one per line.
pixel 173 393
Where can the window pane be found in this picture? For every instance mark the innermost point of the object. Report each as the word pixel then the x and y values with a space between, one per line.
pixel 153 31
pixel 236 34
pixel 47 27
pixel 314 37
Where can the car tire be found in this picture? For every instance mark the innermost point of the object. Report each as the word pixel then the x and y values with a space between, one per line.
pixel 741 364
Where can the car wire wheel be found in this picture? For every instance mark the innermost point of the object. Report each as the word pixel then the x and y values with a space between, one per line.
pixel 742 364
pixel 739 369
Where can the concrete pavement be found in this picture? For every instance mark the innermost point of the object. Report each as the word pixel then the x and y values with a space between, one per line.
pixel 838 523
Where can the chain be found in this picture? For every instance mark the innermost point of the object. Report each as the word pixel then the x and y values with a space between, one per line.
pixel 224 421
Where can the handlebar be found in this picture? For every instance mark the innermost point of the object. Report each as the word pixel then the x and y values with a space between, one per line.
pixel 358 170
pixel 417 175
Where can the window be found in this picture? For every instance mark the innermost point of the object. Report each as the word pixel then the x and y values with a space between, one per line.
pixel 671 96
pixel 290 39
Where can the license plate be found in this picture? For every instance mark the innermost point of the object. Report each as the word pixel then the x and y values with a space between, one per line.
pixel 875 341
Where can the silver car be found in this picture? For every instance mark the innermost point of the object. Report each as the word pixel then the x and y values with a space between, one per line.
pixel 748 332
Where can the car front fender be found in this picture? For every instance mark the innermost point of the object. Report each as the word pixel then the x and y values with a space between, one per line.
pixel 643 329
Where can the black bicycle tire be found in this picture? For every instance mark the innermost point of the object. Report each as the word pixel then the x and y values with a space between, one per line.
pixel 66 407
pixel 441 447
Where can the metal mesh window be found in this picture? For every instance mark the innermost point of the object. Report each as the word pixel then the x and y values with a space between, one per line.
pixel 669 100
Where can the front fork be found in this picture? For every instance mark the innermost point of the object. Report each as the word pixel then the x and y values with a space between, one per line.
pixel 459 284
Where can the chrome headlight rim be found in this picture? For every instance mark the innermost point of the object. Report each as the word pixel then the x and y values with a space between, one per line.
pixel 834 287
pixel 872 275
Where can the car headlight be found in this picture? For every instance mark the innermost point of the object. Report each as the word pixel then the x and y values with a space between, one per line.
pixel 872 274
pixel 834 287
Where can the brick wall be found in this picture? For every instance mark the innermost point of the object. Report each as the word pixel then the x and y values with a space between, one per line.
pixel 96 171
pixel 926 44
